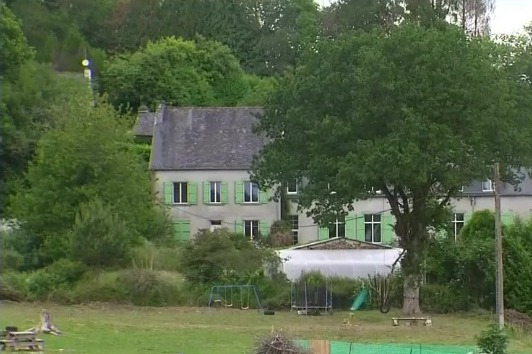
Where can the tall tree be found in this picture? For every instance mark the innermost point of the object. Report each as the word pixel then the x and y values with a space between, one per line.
pixel 347 15
pixel 178 72
pixel 417 113
pixel 86 157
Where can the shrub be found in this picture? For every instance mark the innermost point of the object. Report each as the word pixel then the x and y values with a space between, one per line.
pixel 99 237
pixel 151 257
pixel 221 257
pixel 148 288
pixel 493 340
pixel 100 287
pixel 438 298
pixel 13 286
pixel 60 274
pixel 280 234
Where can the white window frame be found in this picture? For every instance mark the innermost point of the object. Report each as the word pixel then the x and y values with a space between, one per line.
pixel 179 199
pixel 490 185
pixel 292 192
pixel 336 225
pixel 249 185
pixel 216 187
pixel 216 225
pixel 294 227
pixel 250 225
pixel 455 222
pixel 372 224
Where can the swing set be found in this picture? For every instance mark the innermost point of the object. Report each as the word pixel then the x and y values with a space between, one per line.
pixel 223 295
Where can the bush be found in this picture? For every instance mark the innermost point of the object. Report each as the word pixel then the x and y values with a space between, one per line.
pixel 60 274
pixel 493 341
pixel 280 234
pixel 149 288
pixel 222 257
pixel 467 266
pixel 100 287
pixel 438 298
pixel 99 237
pixel 13 286
pixel 155 258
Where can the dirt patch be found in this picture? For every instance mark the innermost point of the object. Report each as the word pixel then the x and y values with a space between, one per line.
pixel 518 319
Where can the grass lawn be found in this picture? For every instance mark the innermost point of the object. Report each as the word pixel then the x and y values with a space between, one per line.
pixel 126 329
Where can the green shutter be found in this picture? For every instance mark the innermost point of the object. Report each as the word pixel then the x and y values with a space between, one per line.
pixel 323 233
pixel 467 217
pixel 361 228
pixel 223 192
pixel 387 233
pixel 192 190
pixel 182 230
pixel 350 227
pixel 264 228
pixel 239 227
pixel 206 192
pixel 239 192
pixel 264 197
pixel 507 219
pixel 168 190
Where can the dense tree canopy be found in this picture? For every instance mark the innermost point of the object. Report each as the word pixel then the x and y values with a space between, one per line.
pixel 178 72
pixel 417 113
pixel 84 158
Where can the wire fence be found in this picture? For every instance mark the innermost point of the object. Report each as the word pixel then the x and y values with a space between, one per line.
pixel 338 347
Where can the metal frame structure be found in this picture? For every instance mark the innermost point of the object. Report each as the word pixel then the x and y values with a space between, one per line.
pixel 309 305
pixel 217 290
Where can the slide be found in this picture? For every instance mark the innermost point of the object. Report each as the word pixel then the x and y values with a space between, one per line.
pixel 359 300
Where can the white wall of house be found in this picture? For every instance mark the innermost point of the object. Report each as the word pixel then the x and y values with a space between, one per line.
pixel 200 215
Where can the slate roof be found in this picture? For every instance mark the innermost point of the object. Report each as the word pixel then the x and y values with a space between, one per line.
pixel 205 138
pixel 144 124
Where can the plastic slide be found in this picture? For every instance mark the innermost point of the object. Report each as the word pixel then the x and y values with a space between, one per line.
pixel 359 300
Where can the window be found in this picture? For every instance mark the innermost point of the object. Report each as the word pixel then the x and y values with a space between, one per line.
pixel 291 187
pixel 372 227
pixel 294 222
pixel 337 229
pixel 487 186
pixel 216 224
pixel 458 224
pixel 215 192
pixel 180 193
pixel 251 192
pixel 251 229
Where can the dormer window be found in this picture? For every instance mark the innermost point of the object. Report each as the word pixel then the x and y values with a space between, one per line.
pixel 487 185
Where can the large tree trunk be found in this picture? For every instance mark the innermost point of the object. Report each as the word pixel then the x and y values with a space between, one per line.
pixel 411 296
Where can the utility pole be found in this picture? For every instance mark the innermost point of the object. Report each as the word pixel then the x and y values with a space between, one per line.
pixel 499 294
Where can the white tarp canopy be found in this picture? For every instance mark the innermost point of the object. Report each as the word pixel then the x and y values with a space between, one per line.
pixel 354 263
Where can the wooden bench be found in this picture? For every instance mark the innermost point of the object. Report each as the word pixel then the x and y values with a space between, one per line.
pixel 409 320
pixel 14 341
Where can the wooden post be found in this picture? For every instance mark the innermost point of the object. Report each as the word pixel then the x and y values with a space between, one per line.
pixel 499 295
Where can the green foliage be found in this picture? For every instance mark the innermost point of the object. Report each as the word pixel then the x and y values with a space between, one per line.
pixel 15 49
pixel 393 112
pixel 149 256
pixel 467 267
pixel 177 72
pixel 99 237
pixel 493 340
pixel 442 298
pixel 280 234
pixel 81 158
pixel 221 257
pixel 56 276
pixel 148 288
pixel 259 90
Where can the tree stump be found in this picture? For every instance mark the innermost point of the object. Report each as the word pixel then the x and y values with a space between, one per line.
pixel 45 326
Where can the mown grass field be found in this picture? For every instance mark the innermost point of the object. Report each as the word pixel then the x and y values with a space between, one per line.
pixel 126 329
